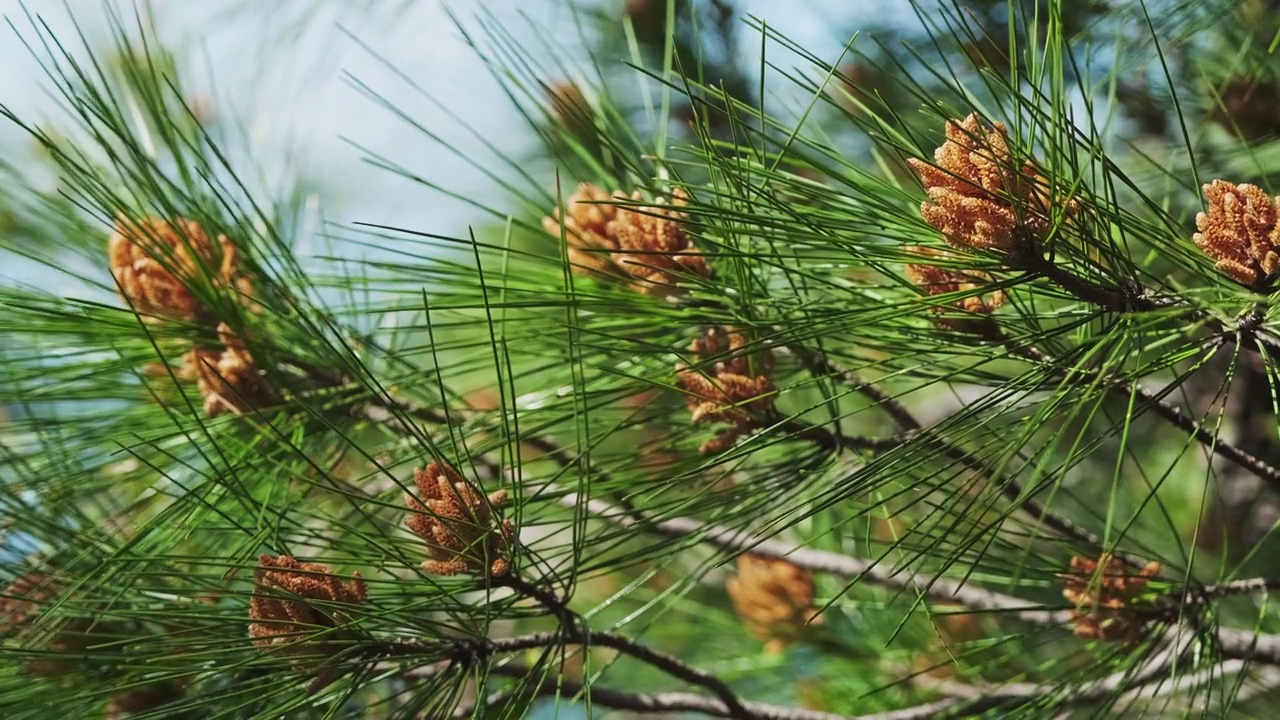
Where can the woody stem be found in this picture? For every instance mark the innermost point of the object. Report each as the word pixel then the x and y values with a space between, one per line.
pixel 544 597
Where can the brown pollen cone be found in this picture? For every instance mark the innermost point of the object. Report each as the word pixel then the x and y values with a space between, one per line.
pixel 144 698
pixel 228 378
pixel 1248 109
pixel 571 110
pixel 1103 592
pixel 774 598
pixel 734 391
pixel 935 280
pixel 293 600
pixel 458 524
pixel 21 604
pixel 1240 232
pixel 980 198
pixel 154 262
pixel 646 243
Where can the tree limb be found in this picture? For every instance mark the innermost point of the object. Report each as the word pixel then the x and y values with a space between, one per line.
pixel 1169 412
pixel 678 702
pixel 858 569
pixel 1013 491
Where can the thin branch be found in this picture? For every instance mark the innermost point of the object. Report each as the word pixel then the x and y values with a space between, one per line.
pixel 1169 412
pixel 1153 668
pixel 1013 491
pixel 380 413
pixel 674 667
pixel 857 569
pixel 677 702
pixel 1236 587
pixel 669 664
pixel 1115 299
pixel 1248 645
pixel 820 364
pixel 832 442
pixel 545 597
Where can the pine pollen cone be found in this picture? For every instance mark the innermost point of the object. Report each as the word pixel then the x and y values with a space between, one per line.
pixel 458 524
pixel 735 390
pixel 228 378
pixel 1103 592
pixel 142 699
pixel 570 108
pixel 1240 233
pixel 21 604
pixel 294 600
pixel 774 598
pixel 979 197
pixel 155 262
pixel 934 280
pixel 619 235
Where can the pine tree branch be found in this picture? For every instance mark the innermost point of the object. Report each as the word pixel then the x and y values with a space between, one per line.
pixel 1231 644
pixel 558 607
pixel 829 441
pixel 1237 587
pixel 1248 328
pixel 819 364
pixel 1248 645
pixel 1115 299
pixel 1152 669
pixel 965 700
pixel 469 649
pixel 856 569
pixel 1013 491
pixel 677 702
pixel 1169 412
pixel 383 411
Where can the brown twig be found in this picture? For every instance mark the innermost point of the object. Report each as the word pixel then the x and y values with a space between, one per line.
pixel 1235 587
pixel 544 596
pixel 830 441
pixel 1115 299
pixel 733 706
pixel 1171 413
pixel 819 364
pixel 938 589
pixel 679 702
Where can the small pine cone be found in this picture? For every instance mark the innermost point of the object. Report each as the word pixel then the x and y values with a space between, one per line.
pixel 142 699
pixel 726 397
pixel 458 524
pixel 585 227
pixel 292 601
pixel 155 261
pixel 615 235
pixel 228 379
pixel 933 280
pixel 1103 592
pixel 732 344
pixel 1248 108
pixel 21 604
pixel 723 441
pixel 1240 232
pixel 571 110
pixel 979 197
pixel 774 598
pixel 735 390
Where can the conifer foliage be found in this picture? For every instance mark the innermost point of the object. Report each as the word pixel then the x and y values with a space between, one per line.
pixel 930 376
